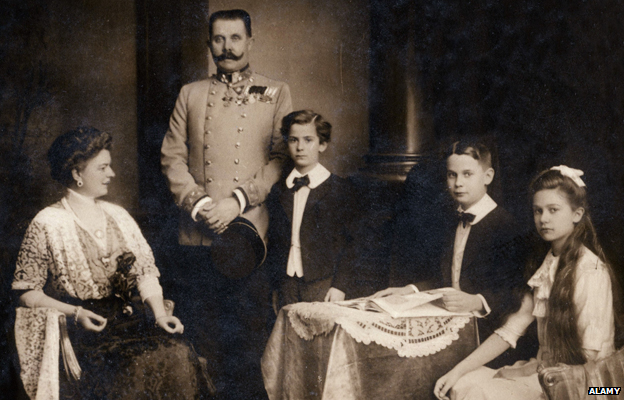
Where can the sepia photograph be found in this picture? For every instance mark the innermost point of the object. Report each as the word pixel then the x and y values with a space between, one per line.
pixel 297 199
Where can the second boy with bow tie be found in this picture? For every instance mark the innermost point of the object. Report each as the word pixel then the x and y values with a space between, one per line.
pixel 484 255
pixel 311 212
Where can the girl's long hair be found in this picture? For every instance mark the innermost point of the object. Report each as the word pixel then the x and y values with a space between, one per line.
pixel 561 329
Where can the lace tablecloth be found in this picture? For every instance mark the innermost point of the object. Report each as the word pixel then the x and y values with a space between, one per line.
pixel 410 337
pixel 322 351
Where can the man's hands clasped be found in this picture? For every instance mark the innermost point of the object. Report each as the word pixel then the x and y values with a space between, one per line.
pixel 219 215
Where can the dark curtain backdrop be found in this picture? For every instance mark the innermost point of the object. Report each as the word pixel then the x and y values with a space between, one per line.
pixel 544 80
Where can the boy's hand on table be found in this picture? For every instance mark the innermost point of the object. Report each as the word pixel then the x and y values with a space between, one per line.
pixel 334 294
pixel 458 301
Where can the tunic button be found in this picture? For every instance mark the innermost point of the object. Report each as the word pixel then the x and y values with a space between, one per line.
pixel 209 180
pixel 208 132
pixel 237 145
pixel 209 118
pixel 213 92
pixel 236 161
pixel 244 115
pixel 206 146
pixel 240 129
pixel 211 104
pixel 236 179
pixel 208 162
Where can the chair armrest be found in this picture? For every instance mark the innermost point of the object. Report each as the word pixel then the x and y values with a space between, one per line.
pixel 169 306
pixel 564 382
pixel 573 381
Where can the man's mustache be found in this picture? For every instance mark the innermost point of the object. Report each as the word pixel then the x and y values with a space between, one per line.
pixel 228 55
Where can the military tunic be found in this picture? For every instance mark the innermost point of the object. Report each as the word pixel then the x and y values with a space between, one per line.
pixel 224 136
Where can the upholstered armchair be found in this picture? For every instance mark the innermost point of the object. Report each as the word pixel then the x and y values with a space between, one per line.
pixel 571 382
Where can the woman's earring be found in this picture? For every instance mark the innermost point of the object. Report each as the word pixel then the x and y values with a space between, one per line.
pixel 79 183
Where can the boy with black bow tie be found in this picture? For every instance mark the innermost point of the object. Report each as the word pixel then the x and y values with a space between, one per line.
pixel 310 214
pixel 485 253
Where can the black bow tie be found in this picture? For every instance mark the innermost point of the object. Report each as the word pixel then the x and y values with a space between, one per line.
pixel 300 182
pixel 465 217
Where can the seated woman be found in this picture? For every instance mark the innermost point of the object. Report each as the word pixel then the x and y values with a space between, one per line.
pixel 86 257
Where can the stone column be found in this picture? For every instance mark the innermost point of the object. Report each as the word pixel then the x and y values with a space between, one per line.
pixel 399 128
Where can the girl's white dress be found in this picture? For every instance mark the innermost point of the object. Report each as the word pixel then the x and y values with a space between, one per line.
pixel 593 301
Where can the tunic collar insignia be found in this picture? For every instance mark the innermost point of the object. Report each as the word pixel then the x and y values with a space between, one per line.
pixel 234 77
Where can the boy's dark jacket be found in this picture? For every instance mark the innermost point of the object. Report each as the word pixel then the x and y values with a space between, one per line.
pixel 492 265
pixel 325 233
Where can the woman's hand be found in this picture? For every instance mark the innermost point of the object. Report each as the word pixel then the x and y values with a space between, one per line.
pixel 394 290
pixel 90 320
pixel 445 383
pixel 170 324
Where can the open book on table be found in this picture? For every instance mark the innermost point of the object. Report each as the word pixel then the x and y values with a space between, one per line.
pixel 397 306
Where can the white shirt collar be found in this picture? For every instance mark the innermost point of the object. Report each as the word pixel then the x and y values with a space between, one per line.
pixel 317 175
pixel 80 198
pixel 481 208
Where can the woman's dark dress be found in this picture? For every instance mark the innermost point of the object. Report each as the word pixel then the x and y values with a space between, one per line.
pixel 131 358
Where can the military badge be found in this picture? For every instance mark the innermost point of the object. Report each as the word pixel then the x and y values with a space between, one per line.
pixel 264 94
pixel 234 94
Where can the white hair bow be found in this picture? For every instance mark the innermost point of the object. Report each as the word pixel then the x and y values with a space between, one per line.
pixel 574 174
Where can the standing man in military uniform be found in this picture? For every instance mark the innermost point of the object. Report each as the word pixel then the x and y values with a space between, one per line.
pixel 221 155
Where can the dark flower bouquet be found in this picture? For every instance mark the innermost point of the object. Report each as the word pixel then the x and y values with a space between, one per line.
pixel 123 281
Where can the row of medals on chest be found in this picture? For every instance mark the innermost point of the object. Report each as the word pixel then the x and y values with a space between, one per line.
pixel 243 94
